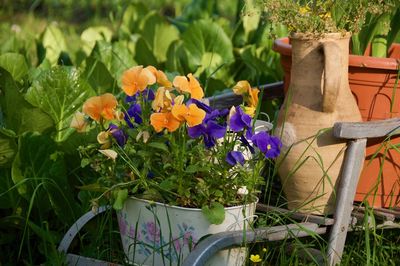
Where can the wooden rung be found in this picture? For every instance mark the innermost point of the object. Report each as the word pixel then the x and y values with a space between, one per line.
pixel 370 129
pixel 394 212
pixel 321 220
pixel 378 214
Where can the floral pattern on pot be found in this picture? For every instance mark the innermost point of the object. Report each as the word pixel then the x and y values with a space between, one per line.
pixel 149 238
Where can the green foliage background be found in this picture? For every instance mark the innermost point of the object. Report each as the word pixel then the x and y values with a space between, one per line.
pixel 55 54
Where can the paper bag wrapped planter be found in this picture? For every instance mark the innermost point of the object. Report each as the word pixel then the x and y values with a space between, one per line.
pixel 318 96
pixel 373 82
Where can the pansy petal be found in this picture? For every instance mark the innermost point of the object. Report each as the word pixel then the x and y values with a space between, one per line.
pixel 195 116
pixel 172 123
pixel 181 83
pixel 241 87
pixel 129 80
pixel 209 141
pixel 93 107
pixel 215 130
pixel 196 131
pixel 109 102
pixel 196 91
pixel 180 111
pixel 78 122
pixel 119 135
pixel 234 157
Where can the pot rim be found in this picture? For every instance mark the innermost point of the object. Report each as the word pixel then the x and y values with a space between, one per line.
pixel 311 36
pixel 190 209
pixel 282 46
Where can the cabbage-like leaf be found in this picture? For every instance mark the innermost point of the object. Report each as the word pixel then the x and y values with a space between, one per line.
pixel 59 92
pixel 92 34
pixel 54 43
pixel 208 46
pixel 158 34
pixel 40 172
pixel 16 113
pixel 15 64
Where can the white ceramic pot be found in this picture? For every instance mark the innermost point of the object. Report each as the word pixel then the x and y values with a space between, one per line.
pixel 159 234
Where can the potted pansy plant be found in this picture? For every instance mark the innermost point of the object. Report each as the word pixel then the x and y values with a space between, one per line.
pixel 174 168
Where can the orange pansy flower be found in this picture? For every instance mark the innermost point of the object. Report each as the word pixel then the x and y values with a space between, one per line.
pixel 159 121
pixel 137 79
pixel 253 97
pixel 189 84
pixel 163 100
pixel 160 77
pixel 193 115
pixel 100 106
pixel 242 87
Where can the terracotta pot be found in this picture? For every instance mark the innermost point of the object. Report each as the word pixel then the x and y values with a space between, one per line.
pixel 372 81
pixel 318 96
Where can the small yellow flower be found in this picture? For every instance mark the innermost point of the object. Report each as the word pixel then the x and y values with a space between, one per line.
pixel 264 250
pixel 255 258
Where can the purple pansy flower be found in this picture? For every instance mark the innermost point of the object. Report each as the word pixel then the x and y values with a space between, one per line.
pixel 135 112
pixel 269 145
pixel 240 121
pixel 119 135
pixel 210 129
pixel 234 157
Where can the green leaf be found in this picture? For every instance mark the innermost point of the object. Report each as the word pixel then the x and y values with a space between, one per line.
pixel 19 115
pixel 131 19
pixel 215 214
pixel 251 19
pixel 158 145
pixel 116 57
pixel 158 34
pixel 93 187
pixel 59 92
pixel 99 77
pixel 8 149
pixel 92 34
pixel 40 171
pixel 144 55
pixel 202 40
pixel 15 64
pixel 177 58
pixel 120 198
pixel 54 43
pixel 8 195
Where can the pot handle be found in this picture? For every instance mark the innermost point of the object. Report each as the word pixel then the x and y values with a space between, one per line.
pixel 332 76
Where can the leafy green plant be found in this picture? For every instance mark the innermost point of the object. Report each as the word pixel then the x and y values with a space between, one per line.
pixel 46 69
pixel 380 31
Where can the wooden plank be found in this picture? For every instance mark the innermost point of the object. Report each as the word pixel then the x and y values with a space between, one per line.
pixel 321 220
pixel 379 215
pixel 351 169
pixel 394 212
pixel 369 129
